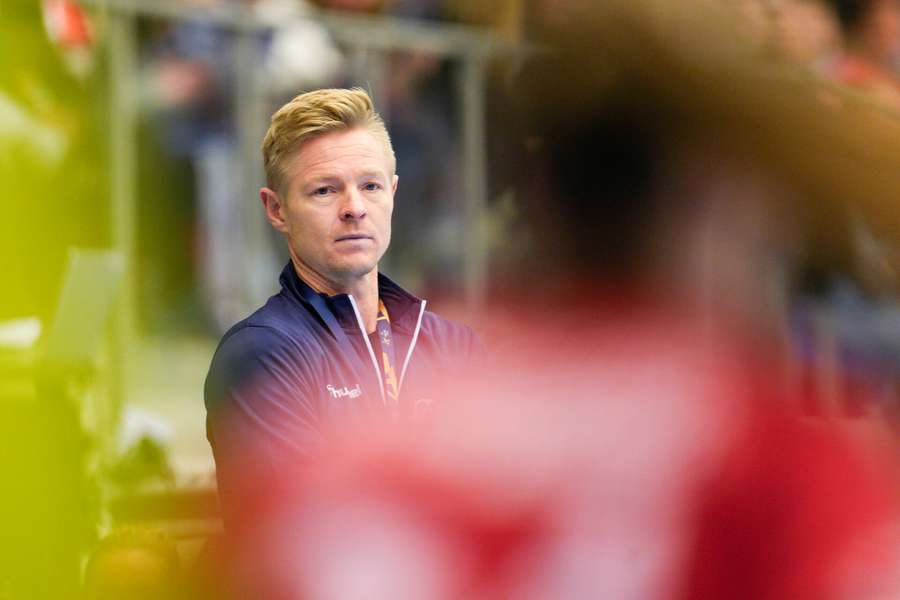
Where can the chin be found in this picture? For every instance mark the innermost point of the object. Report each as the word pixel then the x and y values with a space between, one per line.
pixel 354 269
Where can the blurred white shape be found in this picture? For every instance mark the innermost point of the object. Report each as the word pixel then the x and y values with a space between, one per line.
pixel 138 423
pixel 19 333
pixel 363 548
pixel 276 12
pixel 18 127
pixel 302 55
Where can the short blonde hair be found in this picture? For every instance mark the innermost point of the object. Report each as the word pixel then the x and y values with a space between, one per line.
pixel 313 114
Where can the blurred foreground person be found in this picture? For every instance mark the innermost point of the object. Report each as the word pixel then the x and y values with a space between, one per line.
pixel 53 159
pixel 633 439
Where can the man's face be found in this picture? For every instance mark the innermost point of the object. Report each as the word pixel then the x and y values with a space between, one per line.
pixel 335 206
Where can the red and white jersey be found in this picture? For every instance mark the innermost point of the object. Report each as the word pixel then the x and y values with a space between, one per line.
pixel 602 458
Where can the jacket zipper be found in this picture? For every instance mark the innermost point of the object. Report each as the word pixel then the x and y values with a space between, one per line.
pixel 412 345
pixel 362 330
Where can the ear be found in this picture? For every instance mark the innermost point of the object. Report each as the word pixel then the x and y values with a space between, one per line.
pixel 394 184
pixel 274 208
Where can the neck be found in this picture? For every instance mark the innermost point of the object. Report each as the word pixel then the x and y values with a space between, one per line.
pixel 364 290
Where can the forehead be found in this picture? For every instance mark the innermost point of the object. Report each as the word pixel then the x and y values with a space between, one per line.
pixel 339 153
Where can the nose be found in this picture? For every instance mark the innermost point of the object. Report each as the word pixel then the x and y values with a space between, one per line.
pixel 353 207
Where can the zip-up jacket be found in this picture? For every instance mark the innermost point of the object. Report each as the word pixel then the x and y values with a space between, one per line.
pixel 303 363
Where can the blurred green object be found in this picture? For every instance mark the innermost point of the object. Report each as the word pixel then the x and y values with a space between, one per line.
pixel 53 196
pixel 48 507
pixel 53 157
pixel 85 302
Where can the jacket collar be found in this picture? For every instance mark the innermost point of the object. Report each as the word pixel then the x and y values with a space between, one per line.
pixel 402 306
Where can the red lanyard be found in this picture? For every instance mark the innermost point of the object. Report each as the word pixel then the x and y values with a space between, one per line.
pixel 388 360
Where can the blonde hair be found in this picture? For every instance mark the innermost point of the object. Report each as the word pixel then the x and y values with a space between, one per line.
pixel 313 114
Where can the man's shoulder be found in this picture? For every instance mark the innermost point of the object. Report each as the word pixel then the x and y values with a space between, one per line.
pixel 434 323
pixel 280 322
pixel 278 331
pixel 246 339
pixel 449 334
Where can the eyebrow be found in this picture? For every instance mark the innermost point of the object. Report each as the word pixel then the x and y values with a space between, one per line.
pixel 319 181
pixel 378 174
pixel 329 178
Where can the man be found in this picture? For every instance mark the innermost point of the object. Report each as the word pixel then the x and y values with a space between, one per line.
pixel 340 341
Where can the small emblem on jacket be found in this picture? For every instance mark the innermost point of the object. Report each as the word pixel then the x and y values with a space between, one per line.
pixel 422 407
pixel 344 392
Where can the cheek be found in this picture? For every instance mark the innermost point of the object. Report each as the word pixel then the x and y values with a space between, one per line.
pixel 296 227
pixel 387 222
pixel 385 212
pixel 307 230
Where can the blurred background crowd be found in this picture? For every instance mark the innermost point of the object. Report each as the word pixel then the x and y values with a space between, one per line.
pixel 131 238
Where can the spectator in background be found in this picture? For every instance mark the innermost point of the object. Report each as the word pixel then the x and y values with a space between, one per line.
pixel 754 20
pixel 841 278
pixel 358 6
pixel 188 71
pixel 418 100
pixel 851 290
pixel 871 42
pixel 805 32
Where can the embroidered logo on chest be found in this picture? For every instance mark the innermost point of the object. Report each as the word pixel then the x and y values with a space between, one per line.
pixel 344 392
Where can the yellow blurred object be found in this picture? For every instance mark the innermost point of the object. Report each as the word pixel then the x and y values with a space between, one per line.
pixel 53 195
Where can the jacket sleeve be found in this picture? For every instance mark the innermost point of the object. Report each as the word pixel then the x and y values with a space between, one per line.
pixel 261 415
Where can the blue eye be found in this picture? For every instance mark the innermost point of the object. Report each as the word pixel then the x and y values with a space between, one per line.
pixel 372 186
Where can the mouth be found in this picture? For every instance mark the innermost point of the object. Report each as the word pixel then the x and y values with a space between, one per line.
pixel 353 237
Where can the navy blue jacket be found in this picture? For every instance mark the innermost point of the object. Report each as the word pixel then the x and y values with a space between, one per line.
pixel 302 364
